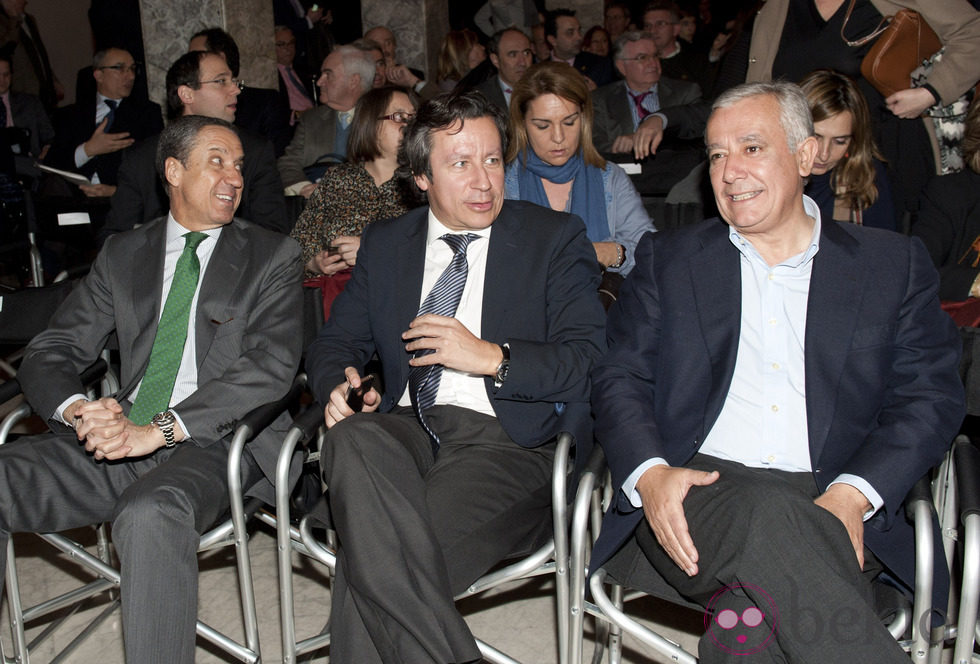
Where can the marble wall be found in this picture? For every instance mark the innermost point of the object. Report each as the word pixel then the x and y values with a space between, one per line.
pixel 419 27
pixel 169 24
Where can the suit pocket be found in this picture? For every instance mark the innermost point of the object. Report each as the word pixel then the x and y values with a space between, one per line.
pixel 874 335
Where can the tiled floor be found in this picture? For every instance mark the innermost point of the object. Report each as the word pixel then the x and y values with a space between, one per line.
pixel 519 618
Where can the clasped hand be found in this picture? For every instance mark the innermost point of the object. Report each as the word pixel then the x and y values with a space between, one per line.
pixel 452 345
pixel 109 434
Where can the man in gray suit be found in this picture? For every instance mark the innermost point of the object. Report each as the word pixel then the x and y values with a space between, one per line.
pixel 621 106
pixel 510 52
pixel 151 458
pixel 347 73
pixel 24 111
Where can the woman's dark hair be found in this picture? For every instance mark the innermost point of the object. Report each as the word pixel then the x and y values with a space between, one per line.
pixel 362 143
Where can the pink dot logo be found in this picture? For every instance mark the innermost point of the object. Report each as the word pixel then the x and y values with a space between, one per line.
pixel 744 626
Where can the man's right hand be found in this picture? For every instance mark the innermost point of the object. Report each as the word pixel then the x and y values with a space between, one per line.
pixel 103 143
pixel 337 408
pixel 326 263
pixel 647 137
pixel 623 143
pixel 662 491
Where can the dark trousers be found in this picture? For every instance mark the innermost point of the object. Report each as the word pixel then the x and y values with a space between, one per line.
pixel 763 543
pixel 416 528
pixel 159 505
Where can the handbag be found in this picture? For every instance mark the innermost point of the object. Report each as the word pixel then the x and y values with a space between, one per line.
pixel 905 40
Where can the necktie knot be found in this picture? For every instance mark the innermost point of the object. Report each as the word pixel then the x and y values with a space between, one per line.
pixel 638 99
pixel 193 239
pixel 458 242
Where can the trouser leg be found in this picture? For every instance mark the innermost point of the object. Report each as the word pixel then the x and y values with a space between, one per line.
pixel 762 542
pixel 414 528
pixel 156 530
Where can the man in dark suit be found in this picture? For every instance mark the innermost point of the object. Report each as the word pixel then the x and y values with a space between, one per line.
pixel 452 463
pixel 20 38
pixel 772 390
pixel 296 89
pixel 91 133
pixel 259 110
pixel 152 457
pixel 510 52
pixel 198 83
pixel 24 111
pixel 564 34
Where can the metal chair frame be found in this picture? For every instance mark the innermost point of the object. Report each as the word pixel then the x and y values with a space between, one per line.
pixel 551 558
pixel 232 531
pixel 594 495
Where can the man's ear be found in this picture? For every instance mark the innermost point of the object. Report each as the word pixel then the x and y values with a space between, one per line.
pixel 174 171
pixel 551 40
pixel 186 94
pixel 494 60
pixel 422 182
pixel 806 153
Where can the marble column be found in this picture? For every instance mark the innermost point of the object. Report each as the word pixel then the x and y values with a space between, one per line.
pixel 169 24
pixel 419 27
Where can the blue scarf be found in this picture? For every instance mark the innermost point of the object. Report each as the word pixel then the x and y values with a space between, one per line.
pixel 588 198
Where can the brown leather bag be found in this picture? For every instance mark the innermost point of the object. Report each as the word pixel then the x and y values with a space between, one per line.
pixel 905 40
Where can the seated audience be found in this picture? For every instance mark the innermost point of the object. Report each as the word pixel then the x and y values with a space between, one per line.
pixel 563 33
pixel 363 190
pixel 296 87
pixel 848 180
pixel 397 73
pixel 257 109
pixel 20 38
pixel 461 51
pixel 91 133
pixel 620 107
pixel 617 20
pixel 380 64
pixel 455 457
pixel 510 53
pixel 198 83
pixel 152 457
pixel 949 219
pixel 596 41
pixel 24 111
pixel 347 73
pixel 661 19
pixel 551 161
pixel 753 470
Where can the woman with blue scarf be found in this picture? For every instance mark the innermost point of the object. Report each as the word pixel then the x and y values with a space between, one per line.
pixel 552 162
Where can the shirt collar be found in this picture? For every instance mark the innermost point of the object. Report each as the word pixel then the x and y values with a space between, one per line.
pixel 175 230
pixel 812 210
pixel 100 99
pixel 652 88
pixel 437 229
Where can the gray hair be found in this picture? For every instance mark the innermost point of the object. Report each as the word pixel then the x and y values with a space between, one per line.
pixel 794 111
pixel 619 46
pixel 358 61
pixel 178 139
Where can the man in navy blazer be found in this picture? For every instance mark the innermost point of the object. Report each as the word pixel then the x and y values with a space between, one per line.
pixel 425 499
pixel 772 390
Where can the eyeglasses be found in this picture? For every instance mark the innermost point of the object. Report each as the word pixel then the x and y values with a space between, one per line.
pixel 399 117
pixel 223 82
pixel 120 68
pixel 658 24
pixel 642 58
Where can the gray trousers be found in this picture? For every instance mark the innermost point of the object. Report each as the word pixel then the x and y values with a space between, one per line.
pixel 158 505
pixel 415 528
pixel 763 543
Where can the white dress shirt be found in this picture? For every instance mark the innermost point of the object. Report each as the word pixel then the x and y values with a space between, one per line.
pixel 457 388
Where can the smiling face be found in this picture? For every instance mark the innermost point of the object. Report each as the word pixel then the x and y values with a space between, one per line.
pixel 833 139
pixel 466 188
pixel 206 191
pixel 513 56
pixel 554 128
pixel 757 181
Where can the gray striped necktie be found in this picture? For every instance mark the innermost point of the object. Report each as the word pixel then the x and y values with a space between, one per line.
pixel 442 300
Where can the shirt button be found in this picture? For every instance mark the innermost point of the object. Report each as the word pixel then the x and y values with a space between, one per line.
pixel 772 321
pixel 770 458
pixel 775 408
pixel 775 365
pixel 771 276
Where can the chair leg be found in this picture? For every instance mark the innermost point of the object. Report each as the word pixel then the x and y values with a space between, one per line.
pixel 967 624
pixel 14 606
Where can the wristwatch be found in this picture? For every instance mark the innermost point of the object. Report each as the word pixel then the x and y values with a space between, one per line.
pixel 165 422
pixel 503 368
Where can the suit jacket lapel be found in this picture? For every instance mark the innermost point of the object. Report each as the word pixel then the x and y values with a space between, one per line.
pixel 221 279
pixel 835 292
pixel 715 274
pixel 503 283
pixel 407 266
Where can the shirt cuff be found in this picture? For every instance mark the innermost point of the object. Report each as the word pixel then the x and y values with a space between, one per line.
pixel 629 486
pixel 663 118
pixel 80 157
pixel 865 488
pixel 183 427
pixel 58 415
